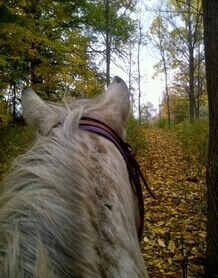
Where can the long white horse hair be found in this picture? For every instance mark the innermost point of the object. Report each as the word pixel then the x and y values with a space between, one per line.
pixel 67 207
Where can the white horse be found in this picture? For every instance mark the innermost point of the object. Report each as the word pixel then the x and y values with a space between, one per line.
pixel 68 208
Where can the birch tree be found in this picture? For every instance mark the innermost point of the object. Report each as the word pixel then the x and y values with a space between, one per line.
pixel 159 40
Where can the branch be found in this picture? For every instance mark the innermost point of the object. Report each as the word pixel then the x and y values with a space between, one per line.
pixel 197 11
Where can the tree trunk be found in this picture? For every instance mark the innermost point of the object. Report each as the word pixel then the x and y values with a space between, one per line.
pixel 197 107
pixel 191 66
pixel 35 78
pixel 166 88
pixel 130 79
pixel 191 86
pixel 13 102
pixel 162 53
pixel 139 74
pixel 210 11
pixel 108 43
pixel 199 87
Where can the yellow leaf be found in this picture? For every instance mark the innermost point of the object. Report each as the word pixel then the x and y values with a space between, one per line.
pixel 160 223
pixel 161 242
pixel 159 265
pixel 171 246
pixel 202 234
pixel 145 239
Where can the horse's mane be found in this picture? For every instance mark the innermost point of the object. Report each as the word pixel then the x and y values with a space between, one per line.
pixel 35 187
pixel 67 208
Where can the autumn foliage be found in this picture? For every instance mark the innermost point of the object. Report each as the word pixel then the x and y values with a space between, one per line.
pixel 175 223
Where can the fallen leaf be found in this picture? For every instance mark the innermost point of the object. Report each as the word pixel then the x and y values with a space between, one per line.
pixel 171 246
pixel 161 242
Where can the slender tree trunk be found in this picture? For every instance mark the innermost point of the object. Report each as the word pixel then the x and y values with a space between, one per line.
pixel 108 43
pixel 35 78
pixel 166 88
pixel 197 107
pixel 14 102
pixel 162 52
pixel 191 86
pixel 199 87
pixel 13 90
pixel 130 78
pixel 210 11
pixel 159 108
pixel 139 74
pixel 191 66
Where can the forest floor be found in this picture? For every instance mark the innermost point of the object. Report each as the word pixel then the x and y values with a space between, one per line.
pixel 175 224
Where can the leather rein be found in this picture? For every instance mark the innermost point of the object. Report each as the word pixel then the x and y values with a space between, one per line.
pixel 135 174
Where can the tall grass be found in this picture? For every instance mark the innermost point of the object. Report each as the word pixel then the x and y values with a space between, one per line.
pixel 161 123
pixel 135 135
pixel 15 140
pixel 194 138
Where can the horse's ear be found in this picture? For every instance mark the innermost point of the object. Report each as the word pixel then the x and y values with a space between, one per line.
pixel 38 115
pixel 117 96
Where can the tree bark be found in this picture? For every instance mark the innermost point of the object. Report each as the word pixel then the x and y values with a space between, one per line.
pixel 35 78
pixel 108 43
pixel 163 55
pixel 166 88
pixel 191 66
pixel 199 87
pixel 139 73
pixel 130 79
pixel 210 11
pixel 14 103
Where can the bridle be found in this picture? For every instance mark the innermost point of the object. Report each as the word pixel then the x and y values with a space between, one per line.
pixel 135 174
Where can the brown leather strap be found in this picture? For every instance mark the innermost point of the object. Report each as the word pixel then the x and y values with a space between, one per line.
pixel 125 146
pixel 127 152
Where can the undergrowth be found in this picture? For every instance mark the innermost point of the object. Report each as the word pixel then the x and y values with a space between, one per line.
pixel 194 138
pixel 14 141
pixel 135 135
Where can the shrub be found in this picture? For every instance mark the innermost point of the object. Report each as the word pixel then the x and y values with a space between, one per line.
pixel 135 135
pixel 194 138
pixel 14 141
pixel 5 116
pixel 161 123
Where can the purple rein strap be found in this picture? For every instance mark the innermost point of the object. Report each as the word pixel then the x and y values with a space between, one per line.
pixel 125 149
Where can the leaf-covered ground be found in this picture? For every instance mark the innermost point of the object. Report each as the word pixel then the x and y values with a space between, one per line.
pixel 175 225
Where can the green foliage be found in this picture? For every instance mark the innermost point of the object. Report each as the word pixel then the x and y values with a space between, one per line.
pixel 49 44
pixel 161 123
pixel 194 138
pixel 5 116
pixel 179 108
pixel 14 141
pixel 135 135
pixel 147 111
pixel 42 42
pixel 120 24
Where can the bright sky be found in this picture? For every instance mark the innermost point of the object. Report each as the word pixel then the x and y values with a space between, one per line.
pixel 151 88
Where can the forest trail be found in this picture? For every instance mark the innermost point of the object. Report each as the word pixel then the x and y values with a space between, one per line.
pixel 175 223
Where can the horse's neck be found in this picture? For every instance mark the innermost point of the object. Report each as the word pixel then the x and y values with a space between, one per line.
pixel 114 219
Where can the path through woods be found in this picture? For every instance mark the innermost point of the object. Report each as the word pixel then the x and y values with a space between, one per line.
pixel 175 224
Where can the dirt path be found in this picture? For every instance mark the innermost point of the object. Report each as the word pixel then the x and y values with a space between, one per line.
pixel 174 234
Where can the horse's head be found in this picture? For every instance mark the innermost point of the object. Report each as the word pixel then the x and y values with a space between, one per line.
pixel 68 209
pixel 112 107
